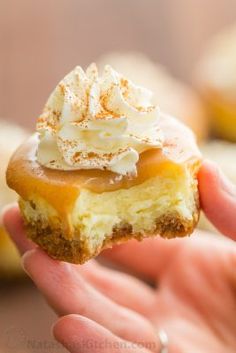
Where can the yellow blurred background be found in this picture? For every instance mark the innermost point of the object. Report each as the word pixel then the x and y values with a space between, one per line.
pixel 40 41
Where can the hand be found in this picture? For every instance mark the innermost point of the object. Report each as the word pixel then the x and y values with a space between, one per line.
pixel 218 199
pixel 194 300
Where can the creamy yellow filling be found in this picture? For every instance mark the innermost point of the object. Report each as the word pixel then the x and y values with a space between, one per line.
pixel 95 215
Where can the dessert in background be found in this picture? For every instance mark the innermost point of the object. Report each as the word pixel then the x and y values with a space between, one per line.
pixel 224 154
pixel 216 79
pixel 105 166
pixel 10 138
pixel 169 93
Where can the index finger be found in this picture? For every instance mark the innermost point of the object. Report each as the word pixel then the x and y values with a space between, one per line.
pixel 14 225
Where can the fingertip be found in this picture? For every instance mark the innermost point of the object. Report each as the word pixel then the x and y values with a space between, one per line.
pixel 71 330
pixel 27 258
pixel 62 330
pixel 62 324
pixel 14 225
pixel 218 198
pixel 66 321
pixel 207 178
pixel 35 261
pixel 209 170
pixel 212 180
pixel 48 274
pixel 8 214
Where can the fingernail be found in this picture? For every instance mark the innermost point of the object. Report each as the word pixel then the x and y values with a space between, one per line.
pixel 25 258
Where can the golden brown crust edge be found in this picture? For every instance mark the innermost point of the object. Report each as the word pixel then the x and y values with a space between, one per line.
pixel 51 239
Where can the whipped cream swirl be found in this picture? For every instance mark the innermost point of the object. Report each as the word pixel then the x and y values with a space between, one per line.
pixel 97 122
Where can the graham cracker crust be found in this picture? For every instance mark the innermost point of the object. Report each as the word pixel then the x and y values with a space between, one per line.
pixel 52 241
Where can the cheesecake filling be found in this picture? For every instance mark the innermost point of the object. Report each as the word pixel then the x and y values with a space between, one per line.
pixel 95 215
pixel 97 122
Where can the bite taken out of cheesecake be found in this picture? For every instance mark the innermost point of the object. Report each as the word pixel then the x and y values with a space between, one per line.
pixel 104 166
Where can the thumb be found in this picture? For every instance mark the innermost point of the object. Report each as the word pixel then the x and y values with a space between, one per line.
pixel 218 198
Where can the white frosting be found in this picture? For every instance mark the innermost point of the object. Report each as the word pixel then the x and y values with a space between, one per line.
pixel 92 122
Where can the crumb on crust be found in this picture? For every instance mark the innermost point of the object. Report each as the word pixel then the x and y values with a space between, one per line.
pixel 51 239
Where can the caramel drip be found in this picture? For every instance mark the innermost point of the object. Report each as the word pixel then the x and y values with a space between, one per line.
pixel 61 188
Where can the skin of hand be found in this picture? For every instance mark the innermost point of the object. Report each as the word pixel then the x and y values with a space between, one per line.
pixel 193 297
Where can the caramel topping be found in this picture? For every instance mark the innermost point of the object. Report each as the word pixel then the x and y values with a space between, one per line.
pixel 61 188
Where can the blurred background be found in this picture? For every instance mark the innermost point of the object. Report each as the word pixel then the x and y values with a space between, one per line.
pixel 184 50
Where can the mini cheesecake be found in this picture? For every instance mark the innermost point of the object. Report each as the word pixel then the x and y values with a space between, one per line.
pixel 75 212
pixel 217 83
